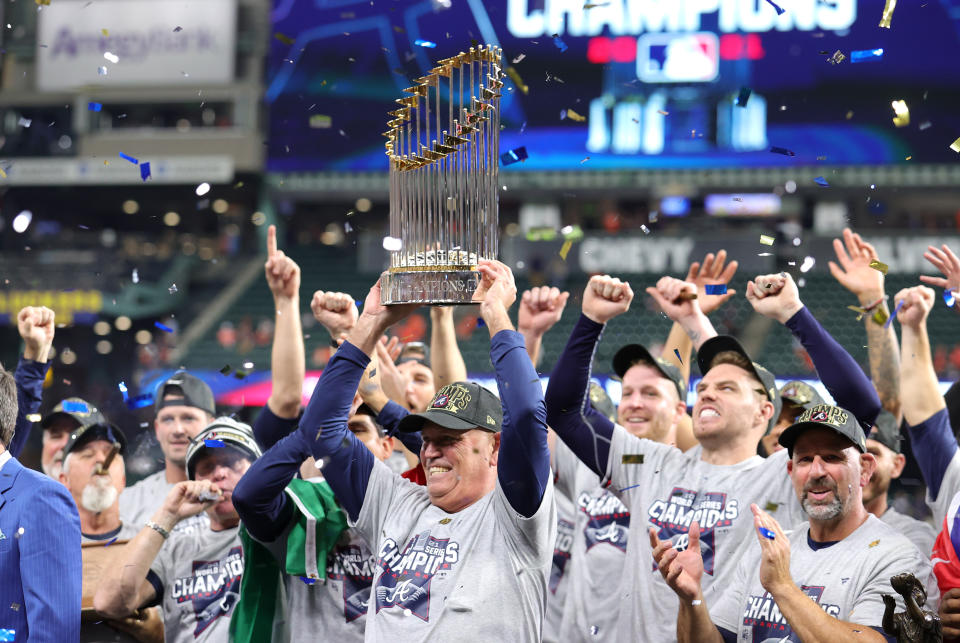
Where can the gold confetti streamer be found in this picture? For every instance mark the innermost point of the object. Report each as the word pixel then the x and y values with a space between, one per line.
pixel 565 249
pixel 879 265
pixel 33 417
pixel 515 77
pixel 888 13
pixel 572 115
pixel 955 146
pixel 902 118
pixel 284 38
pixel 766 240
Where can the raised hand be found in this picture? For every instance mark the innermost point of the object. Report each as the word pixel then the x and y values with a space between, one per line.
pixel 497 285
pixel 190 497
pixel 682 570
pixel 774 552
pixel 854 272
pixel 946 262
pixel 713 271
pixel 917 302
pixel 335 311
pixel 606 297
pixel 540 309
pixel 677 299
pixel 774 296
pixel 36 326
pixel 283 273
pixel 391 380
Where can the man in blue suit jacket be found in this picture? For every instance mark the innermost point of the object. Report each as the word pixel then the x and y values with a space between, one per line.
pixel 40 566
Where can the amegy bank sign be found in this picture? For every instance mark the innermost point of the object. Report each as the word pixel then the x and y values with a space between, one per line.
pixel 135 42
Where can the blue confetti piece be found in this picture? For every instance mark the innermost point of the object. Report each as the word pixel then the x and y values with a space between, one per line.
pixel 94 107
pixel 782 150
pixel 514 156
pixel 110 542
pixel 744 96
pixel 425 43
pixel 948 298
pixel 480 322
pixel 8 635
pixel 676 351
pixel 145 170
pixel 129 158
pixel 558 41
pixel 780 10
pixel 358 303
pixel 766 533
pixel 308 581
pixel 140 401
pixel 822 182
pixel 123 390
pixel 165 329
pixel 866 56
pixel 895 311
pixel 75 407
pixel 213 443
pixel 628 488
pixel 716 289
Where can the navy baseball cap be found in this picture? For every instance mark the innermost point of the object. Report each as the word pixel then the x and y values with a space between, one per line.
pixel 630 354
pixel 195 392
pixel 460 406
pixel 76 409
pixel 826 416
pixel 99 431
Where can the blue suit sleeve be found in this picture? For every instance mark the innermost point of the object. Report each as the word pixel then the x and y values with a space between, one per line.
pixel 582 428
pixel 389 418
pixel 848 384
pixel 259 497
pixel 29 377
pixel 523 467
pixel 347 463
pixel 268 428
pixel 50 565
pixel 933 445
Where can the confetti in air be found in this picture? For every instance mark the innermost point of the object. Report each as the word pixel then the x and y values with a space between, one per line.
pixel 165 329
pixel 744 96
pixel 111 57
pixel 565 249
pixel 948 299
pixel 127 157
pixel 392 244
pixel 514 156
pixel 285 39
pixel 716 289
pixel 782 150
pixel 75 407
pixel 766 240
pixel 425 43
pixel 822 182
pixel 902 113
pixel 895 311
pixel 887 13
pixel 95 107
pixel 676 351
pixel 213 443
pixel 766 533
pixel 780 10
pixel 879 266
pixel 866 55
pixel 558 41
pixel 145 170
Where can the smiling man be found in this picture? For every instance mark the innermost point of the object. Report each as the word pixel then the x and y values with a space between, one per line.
pixel 196 576
pixel 842 559
pixel 466 557
pixel 184 406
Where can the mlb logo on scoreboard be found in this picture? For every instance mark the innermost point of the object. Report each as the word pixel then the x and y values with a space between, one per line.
pixel 678 57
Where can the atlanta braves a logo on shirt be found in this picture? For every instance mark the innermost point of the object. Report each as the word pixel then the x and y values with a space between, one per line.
pixel 352 566
pixel 762 615
pixel 561 552
pixel 710 509
pixel 214 588
pixel 609 520
pixel 405 581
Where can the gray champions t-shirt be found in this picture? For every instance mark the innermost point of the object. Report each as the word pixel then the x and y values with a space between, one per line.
pixel 916 531
pixel 600 536
pixel 847 580
pixel 559 578
pixel 197 577
pixel 139 502
pixel 335 609
pixel 667 489
pixel 478 574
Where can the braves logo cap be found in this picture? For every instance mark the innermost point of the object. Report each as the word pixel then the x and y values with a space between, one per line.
pixel 825 416
pixel 460 406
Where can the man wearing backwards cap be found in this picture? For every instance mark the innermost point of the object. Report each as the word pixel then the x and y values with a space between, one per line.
pixel 196 576
pixel 66 417
pixel 797 396
pixel 843 558
pixel 652 404
pixel 184 406
pixel 468 556
pixel 884 443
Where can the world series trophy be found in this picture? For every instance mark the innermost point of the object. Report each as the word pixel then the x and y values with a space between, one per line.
pixel 444 180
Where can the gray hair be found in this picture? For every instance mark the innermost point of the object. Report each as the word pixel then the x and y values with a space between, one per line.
pixel 8 407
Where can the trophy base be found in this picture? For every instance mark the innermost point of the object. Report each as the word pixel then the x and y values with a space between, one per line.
pixel 428 287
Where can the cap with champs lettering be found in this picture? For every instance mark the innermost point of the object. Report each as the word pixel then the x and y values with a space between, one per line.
pixel 195 392
pixel 460 406
pixel 825 416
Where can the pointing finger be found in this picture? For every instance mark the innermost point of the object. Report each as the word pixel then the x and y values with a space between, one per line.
pixel 271 241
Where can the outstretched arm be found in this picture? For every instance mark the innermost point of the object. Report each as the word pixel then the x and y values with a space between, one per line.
pixel 856 275
pixel 36 326
pixel 259 496
pixel 582 428
pixel 324 424
pixel 523 466
pixel 777 297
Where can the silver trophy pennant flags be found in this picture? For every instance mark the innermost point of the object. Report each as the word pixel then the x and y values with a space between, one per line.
pixel 443 144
